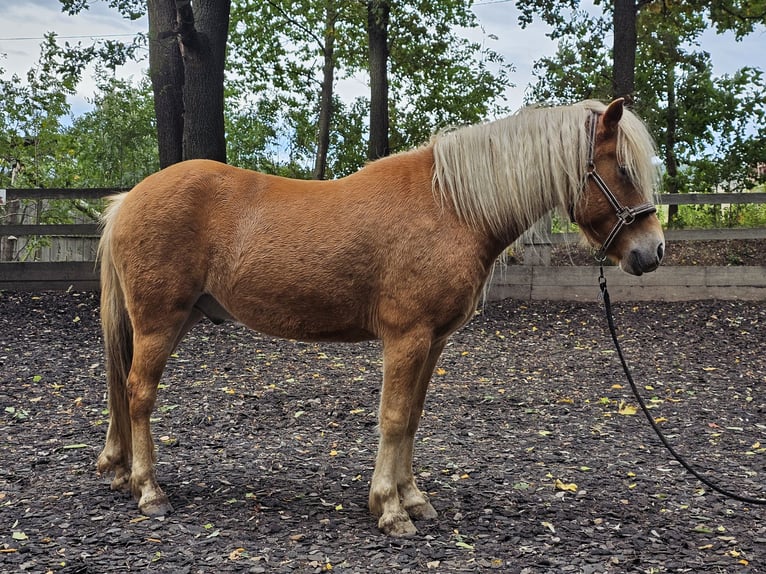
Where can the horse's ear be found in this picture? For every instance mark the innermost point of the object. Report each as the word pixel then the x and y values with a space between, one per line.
pixel 613 114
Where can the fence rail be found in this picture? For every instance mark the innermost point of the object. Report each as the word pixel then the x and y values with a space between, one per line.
pixel 13 193
pixel 531 282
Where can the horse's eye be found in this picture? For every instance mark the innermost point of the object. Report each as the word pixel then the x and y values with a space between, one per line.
pixel 624 171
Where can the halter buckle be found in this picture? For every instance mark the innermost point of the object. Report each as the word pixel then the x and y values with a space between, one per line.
pixel 626 214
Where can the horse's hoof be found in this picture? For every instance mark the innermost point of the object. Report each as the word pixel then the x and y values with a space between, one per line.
pixel 121 483
pixel 397 525
pixel 423 511
pixel 154 507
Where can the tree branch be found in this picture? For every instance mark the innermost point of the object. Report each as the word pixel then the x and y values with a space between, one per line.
pixel 738 14
pixel 295 23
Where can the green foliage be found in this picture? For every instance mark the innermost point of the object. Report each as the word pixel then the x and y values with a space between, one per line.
pixel 436 77
pixel 717 216
pixel 114 144
pixel 36 111
pixel 132 9
pixel 32 116
pixel 563 79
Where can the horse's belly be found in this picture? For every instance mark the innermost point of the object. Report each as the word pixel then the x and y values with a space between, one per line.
pixel 292 316
pixel 302 328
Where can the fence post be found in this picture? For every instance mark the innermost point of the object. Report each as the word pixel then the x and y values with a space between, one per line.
pixel 10 214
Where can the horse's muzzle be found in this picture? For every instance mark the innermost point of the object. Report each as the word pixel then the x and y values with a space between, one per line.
pixel 640 261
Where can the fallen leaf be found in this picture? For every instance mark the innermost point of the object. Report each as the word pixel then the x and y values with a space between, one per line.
pixel 626 409
pixel 236 554
pixel 565 486
pixel 138 519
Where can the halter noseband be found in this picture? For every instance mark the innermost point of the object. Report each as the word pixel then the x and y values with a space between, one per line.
pixel 625 215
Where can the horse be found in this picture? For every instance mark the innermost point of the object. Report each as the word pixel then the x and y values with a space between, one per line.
pixel 398 251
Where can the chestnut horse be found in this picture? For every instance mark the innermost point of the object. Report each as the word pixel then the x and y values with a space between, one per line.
pixel 398 251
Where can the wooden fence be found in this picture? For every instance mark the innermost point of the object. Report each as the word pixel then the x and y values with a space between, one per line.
pixel 538 280
pixel 48 275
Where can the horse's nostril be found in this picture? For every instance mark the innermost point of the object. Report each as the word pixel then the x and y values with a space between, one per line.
pixel 660 251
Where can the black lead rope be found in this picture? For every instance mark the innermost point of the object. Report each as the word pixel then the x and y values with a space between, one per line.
pixel 678 457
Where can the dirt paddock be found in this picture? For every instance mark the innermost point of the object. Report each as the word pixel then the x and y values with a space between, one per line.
pixel 529 447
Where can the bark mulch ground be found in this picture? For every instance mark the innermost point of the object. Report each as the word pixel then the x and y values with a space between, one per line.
pixel 530 447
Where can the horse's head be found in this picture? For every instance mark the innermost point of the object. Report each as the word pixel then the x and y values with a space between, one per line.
pixel 615 209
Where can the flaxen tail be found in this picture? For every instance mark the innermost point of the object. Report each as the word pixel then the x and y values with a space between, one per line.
pixel 118 343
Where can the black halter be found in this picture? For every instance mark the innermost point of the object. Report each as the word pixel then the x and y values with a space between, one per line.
pixel 625 215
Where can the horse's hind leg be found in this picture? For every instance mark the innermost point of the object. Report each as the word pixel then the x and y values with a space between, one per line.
pixel 149 356
pixel 405 362
pixel 116 455
pixel 152 346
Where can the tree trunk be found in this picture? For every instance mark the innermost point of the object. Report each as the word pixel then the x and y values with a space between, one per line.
pixel 671 165
pixel 203 29
pixel 624 49
pixel 325 100
pixel 377 31
pixel 167 75
pixel 187 54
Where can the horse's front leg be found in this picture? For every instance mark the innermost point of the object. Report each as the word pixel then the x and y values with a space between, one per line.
pixel 405 363
pixel 415 502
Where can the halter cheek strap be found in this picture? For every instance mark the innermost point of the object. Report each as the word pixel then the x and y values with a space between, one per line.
pixel 625 215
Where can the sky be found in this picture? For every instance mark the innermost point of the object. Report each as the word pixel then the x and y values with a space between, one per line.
pixel 25 22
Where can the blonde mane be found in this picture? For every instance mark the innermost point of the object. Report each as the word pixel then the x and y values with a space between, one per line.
pixel 517 168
